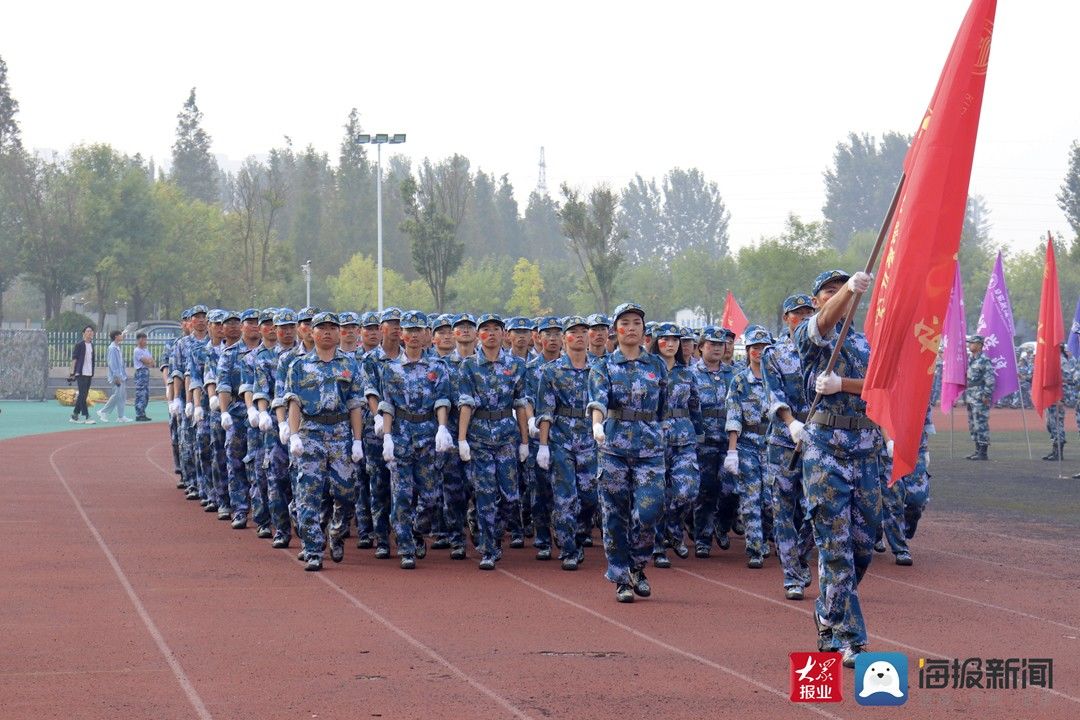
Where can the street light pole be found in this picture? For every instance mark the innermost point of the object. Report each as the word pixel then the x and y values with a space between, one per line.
pixel 379 139
pixel 306 269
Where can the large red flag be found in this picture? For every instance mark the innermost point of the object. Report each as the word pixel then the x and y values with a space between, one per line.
pixel 1046 388
pixel 907 310
pixel 733 318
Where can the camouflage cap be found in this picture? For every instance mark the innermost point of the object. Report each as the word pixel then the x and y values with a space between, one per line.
pixel 267 315
pixel 628 307
pixel 573 321
pixel 756 335
pixel 715 333
pixel 519 323
pixel 976 339
pixel 390 314
pixel 323 318
pixel 688 333
pixel 250 314
pixel 827 277
pixel 490 318
pixel 442 321
pixel 549 322
pixel 598 320
pixel 306 313
pixel 215 315
pixel 464 318
pixel 414 319
pixel 794 302
pixel 348 318
pixel 199 309
pixel 185 314
pixel 369 318
pixel 666 329
pixel 285 316
pixel 227 315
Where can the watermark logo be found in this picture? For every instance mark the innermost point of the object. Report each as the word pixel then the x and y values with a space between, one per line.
pixel 815 677
pixel 881 678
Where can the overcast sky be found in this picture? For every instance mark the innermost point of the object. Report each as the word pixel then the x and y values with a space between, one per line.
pixel 756 94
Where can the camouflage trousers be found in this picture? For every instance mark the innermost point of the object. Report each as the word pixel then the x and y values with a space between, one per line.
pixel 364 527
pixel 275 464
pixel 452 483
pixel 916 495
pixel 378 475
pixel 844 500
pixel 414 485
pixel 541 499
pixel 979 423
pixel 1055 423
pixel 893 500
pixel 754 506
pixel 682 478
pixel 235 451
pixel 188 452
pixel 324 475
pixel 717 501
pixel 573 488
pixel 142 391
pixel 632 502
pixel 204 475
pixel 219 467
pixel 791 526
pixel 174 437
pixel 260 498
pixel 492 472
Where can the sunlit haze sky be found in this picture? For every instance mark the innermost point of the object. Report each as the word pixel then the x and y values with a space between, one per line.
pixel 756 94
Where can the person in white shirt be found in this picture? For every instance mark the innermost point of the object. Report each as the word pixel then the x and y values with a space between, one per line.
pixel 117 378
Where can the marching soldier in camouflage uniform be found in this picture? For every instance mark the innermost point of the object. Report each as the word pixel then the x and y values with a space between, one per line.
pixel 782 372
pixel 980 388
pixel 840 464
pixel 599 329
pixel 222 336
pixel 1025 369
pixel 1055 414
pixel 377 468
pixel 449 523
pixel 324 392
pixel 199 359
pixel 491 391
pixel 626 396
pixel 540 498
pixel 234 414
pixel 747 421
pixel 903 503
pixel 566 446
pixel 260 423
pixel 370 337
pixel 681 424
pixel 520 330
pixel 415 402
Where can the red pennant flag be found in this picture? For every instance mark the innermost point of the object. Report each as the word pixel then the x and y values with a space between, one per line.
pixel 733 318
pixel 915 279
pixel 1046 388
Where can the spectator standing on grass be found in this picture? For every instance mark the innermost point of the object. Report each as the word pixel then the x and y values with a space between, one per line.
pixel 82 371
pixel 117 376
pixel 143 360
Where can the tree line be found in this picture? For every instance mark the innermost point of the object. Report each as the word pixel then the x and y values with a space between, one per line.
pixel 116 228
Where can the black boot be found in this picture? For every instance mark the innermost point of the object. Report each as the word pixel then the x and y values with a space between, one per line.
pixel 974 455
pixel 983 447
pixel 1054 454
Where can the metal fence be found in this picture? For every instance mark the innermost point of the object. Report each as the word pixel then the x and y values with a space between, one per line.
pixel 62 343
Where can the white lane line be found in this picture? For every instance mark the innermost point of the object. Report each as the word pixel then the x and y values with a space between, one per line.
pixel 404 635
pixel 791 606
pixel 973 601
pixel 995 563
pixel 665 645
pixel 976 529
pixel 181 677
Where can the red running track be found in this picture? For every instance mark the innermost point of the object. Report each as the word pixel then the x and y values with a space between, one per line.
pixel 122 600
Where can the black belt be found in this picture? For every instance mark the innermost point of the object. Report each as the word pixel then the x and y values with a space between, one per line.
pixel 492 414
pixel 843 422
pixel 753 428
pixel 629 415
pixel 567 411
pixel 400 414
pixel 327 418
pixel 714 413
pixel 677 413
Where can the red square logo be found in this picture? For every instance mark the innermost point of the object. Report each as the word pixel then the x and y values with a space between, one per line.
pixel 815 677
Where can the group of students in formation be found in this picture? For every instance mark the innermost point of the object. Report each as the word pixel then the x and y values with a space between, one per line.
pixel 438 429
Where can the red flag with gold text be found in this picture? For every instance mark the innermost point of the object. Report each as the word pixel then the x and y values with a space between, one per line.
pixel 915 278
pixel 1046 387
pixel 733 318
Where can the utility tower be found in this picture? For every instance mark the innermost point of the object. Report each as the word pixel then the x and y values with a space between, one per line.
pixel 541 182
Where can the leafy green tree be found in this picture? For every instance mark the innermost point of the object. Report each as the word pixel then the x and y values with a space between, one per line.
pixel 542 230
pixel 355 287
pixel 481 285
pixel 528 287
pixel 694 214
pixel 508 221
pixel 641 219
pixel 861 183
pixel 431 206
pixel 700 279
pixel 648 285
pixel 562 281
pixel 353 204
pixel 590 228
pixel 10 137
pixel 1069 196
pixel 194 169
pixel 11 160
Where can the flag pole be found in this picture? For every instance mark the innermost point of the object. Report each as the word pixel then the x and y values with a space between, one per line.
pixel 852 307
pixel 1023 414
pixel 952 428
pixel 1061 450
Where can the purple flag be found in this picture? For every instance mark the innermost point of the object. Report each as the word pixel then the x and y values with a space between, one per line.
pixel 1074 332
pixel 954 347
pixel 996 327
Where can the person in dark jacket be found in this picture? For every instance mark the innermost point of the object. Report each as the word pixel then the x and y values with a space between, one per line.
pixel 82 371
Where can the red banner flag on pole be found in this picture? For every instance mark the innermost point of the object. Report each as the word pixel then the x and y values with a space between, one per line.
pixel 915 279
pixel 1046 388
pixel 733 318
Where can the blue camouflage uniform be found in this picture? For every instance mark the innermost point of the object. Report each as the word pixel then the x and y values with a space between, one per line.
pixel 980 388
pixel 494 390
pixel 629 392
pixel 326 392
pixel 840 478
pixel 185 430
pixel 364 526
pixel 229 380
pixel 455 490
pixel 219 468
pixel 274 464
pixel 198 363
pixel 540 495
pixel 260 497
pixel 519 513
pixel 165 366
pixel 905 500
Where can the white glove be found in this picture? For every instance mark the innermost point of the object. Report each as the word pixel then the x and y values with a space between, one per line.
pixel 443 441
pixel 189 408
pixel 828 384
pixel 598 433
pixel 463 450
pixel 388 448
pixel 176 407
pixel 226 421
pixel 379 431
pixel 889 448
pixel 197 414
pixel 731 462
pixel 296 446
pixel 534 429
pixel 253 415
pixel 543 457
pixel 926 461
pixel 796 429
pixel 215 404
pixel 357 451
pixel 283 432
pixel 523 452
pixel 859 282
pixel 266 423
